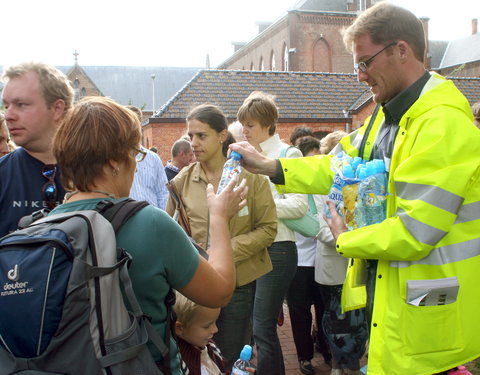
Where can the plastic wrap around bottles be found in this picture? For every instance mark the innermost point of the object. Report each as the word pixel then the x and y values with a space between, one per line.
pixel 359 190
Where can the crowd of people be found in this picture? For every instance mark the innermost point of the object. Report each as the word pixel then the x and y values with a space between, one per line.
pixel 67 156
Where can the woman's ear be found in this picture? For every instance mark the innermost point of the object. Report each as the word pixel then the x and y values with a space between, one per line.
pixel 223 135
pixel 113 167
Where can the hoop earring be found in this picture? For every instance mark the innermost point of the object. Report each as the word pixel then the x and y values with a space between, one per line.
pixel 116 171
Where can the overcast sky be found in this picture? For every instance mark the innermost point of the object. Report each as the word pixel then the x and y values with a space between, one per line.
pixel 167 32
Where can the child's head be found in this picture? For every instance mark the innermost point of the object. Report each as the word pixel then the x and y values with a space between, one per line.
pixel 195 324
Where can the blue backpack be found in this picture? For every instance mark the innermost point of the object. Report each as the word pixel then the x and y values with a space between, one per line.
pixel 61 303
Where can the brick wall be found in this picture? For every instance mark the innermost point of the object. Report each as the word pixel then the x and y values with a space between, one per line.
pixel 85 87
pixel 316 40
pixel 163 136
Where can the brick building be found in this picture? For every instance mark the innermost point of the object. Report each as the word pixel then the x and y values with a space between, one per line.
pixel 306 39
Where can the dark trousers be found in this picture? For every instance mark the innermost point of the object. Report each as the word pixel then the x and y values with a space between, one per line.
pixel 302 294
pixel 270 292
pixel 234 324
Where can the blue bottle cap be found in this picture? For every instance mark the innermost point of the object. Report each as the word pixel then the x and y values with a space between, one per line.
pixel 348 171
pixel 246 353
pixel 235 155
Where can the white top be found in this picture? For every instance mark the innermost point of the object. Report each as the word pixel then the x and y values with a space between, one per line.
pixel 289 206
pixel 307 250
pixel 207 366
pixel 330 267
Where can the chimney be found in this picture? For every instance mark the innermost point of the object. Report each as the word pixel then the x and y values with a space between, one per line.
pixel 474 26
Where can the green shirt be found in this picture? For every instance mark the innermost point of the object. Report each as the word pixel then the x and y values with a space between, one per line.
pixel 163 257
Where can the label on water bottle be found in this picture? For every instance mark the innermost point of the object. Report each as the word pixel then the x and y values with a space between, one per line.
pixel 237 371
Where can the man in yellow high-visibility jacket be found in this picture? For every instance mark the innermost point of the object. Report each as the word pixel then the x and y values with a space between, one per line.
pixel 423 129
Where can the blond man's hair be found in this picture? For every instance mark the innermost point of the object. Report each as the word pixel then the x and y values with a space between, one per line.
pixel 387 23
pixel 54 84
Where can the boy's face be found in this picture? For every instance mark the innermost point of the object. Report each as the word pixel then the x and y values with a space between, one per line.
pixel 201 329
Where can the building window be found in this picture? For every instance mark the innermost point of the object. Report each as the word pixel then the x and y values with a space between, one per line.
pixel 262 64
pixel 285 58
pixel 251 66
pixel 272 64
pixel 84 92
pixel 76 89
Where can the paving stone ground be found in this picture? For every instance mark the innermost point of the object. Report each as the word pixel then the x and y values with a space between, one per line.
pixel 290 354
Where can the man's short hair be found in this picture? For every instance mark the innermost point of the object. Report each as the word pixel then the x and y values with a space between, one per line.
pixel 180 145
pixel 307 144
pixel 387 23
pixel 53 83
pixel 261 107
pixel 299 132
pixel 94 132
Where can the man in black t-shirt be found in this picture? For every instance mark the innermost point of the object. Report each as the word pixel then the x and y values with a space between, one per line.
pixel 35 97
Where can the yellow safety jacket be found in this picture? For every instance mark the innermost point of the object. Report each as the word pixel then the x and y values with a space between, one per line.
pixel 431 235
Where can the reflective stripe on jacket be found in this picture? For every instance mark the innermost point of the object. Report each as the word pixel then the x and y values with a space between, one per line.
pixel 432 232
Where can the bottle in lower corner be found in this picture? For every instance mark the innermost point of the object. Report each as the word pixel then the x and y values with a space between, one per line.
pixel 243 363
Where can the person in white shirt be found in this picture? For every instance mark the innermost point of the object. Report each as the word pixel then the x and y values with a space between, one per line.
pixel 258 115
pixel 150 178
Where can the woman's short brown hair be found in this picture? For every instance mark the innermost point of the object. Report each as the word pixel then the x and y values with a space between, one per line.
pixel 96 131
pixel 261 107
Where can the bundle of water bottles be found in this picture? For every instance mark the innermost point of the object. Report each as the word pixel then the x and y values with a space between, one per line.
pixel 359 190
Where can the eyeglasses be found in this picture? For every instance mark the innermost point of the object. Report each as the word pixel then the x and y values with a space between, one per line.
pixel 363 65
pixel 49 189
pixel 140 155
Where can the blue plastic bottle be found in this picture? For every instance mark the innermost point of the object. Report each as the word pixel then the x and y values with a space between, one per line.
pixel 231 169
pixel 240 366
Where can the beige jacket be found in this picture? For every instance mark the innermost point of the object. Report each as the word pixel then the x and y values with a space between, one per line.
pixel 253 229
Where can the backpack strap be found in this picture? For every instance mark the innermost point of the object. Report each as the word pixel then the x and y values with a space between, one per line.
pixel 25 221
pixel 118 211
pixel 283 151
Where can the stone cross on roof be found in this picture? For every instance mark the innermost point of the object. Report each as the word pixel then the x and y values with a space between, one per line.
pixel 75 54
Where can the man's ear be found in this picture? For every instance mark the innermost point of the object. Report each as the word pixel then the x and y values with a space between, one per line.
pixel 58 107
pixel 404 50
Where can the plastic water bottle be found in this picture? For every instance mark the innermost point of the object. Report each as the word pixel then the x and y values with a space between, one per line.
pixel 231 169
pixel 372 193
pixel 240 366
pixel 335 195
